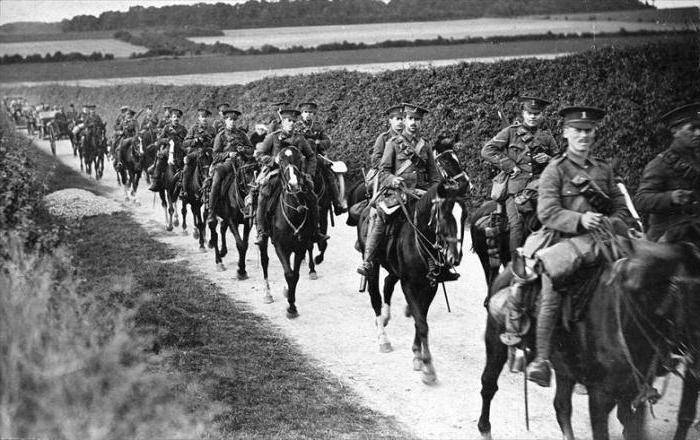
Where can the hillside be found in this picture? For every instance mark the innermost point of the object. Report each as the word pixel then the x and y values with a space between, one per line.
pixel 635 85
pixel 255 14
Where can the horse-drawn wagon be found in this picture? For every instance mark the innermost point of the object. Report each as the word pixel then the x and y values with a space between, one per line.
pixel 54 126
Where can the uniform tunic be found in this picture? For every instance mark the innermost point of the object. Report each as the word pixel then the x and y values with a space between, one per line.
pixel 516 145
pixel 379 144
pixel 315 136
pixel 231 141
pixel 176 134
pixel 277 140
pixel 199 135
pixel 403 148
pixel 676 168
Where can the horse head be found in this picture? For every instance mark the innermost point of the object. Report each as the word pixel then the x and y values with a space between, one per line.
pixel 446 161
pixel 664 278
pixel 290 160
pixel 204 161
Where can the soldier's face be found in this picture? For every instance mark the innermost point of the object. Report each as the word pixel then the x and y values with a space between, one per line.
pixel 202 118
pixel 307 115
pixel 532 119
pixel 580 140
pixel 287 124
pixel 229 122
pixel 688 134
pixel 412 123
pixel 396 123
pixel 174 119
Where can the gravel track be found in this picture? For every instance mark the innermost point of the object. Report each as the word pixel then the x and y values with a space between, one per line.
pixel 336 329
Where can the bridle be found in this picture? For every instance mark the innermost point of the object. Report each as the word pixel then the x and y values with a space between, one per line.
pixel 291 198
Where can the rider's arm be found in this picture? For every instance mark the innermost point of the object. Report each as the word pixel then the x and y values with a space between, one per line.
pixel 191 138
pixel 264 148
pixel 310 155
pixel 377 151
pixel 619 207
pixel 653 196
pixel 386 165
pixel 433 174
pixel 324 142
pixel 550 209
pixel 496 149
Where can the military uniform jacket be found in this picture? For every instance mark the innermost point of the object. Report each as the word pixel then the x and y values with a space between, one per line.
pixel 419 170
pixel 315 136
pixel 229 141
pixel 277 140
pixel 94 121
pixel 379 144
pixel 199 135
pixel 561 204
pixel 676 168
pixel 219 125
pixel 515 146
pixel 126 129
pixel 118 122
pixel 163 122
pixel 150 121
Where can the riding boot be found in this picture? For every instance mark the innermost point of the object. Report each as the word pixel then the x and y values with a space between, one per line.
pixel 514 311
pixel 250 200
pixel 375 233
pixel 539 370
pixel 260 219
pixel 213 195
pixel 156 184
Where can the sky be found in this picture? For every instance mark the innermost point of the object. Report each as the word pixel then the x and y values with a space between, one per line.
pixel 57 10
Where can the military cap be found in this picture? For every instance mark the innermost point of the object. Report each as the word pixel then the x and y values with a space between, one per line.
pixel 308 106
pixel 414 110
pixel 223 105
pixel 166 106
pixel 175 111
pixel 231 112
pixel 289 112
pixel 148 106
pixel 581 116
pixel 533 104
pixel 90 106
pixel 682 115
pixel 204 111
pixel 395 110
pixel 281 105
pixel 130 111
pixel 124 108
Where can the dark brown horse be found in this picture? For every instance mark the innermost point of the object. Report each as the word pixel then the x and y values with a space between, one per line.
pixel 325 211
pixel 635 315
pixel 91 149
pixel 230 207
pixel 170 177
pixel 129 173
pixel 292 227
pixel 195 198
pixel 426 230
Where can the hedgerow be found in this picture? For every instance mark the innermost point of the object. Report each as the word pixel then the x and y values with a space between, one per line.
pixel 634 85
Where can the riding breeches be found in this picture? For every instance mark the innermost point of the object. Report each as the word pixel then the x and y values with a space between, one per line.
pixel 515 224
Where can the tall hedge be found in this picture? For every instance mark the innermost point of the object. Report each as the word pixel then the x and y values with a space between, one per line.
pixel 634 85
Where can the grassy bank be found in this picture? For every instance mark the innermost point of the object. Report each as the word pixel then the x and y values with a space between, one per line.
pixel 110 339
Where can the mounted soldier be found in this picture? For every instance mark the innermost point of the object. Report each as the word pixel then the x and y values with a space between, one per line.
pixel 80 123
pixel 71 114
pixel 231 148
pixel 165 120
pixel 127 129
pixel 173 132
pixel 669 190
pixel 200 136
pixel 578 203
pixel 407 165
pixel 259 134
pixel 150 119
pixel 268 181
pixel 521 151
pixel 316 137
pixel 395 115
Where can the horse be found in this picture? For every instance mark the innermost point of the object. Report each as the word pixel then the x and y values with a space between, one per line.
pixel 129 173
pixel 292 232
pixel 325 211
pixel 91 148
pixel 629 325
pixel 428 230
pixel 230 207
pixel 195 197
pixel 171 187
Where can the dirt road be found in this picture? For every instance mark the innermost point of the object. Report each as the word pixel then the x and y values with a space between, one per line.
pixel 336 329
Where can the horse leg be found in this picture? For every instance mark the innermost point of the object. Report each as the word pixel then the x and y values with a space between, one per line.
pixel 284 256
pixel 599 406
pixel 135 177
pixel 312 265
pixel 689 402
pixel 173 201
pixel 199 225
pixel 389 282
pixel 224 245
pixel 242 250
pixel 496 356
pixel 323 227
pixel 562 404
pixel 632 420
pixel 419 299
pixel 183 211
pixel 214 243
pixel 264 261
pixel 380 321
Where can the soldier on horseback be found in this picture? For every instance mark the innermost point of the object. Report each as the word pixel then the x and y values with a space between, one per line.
pixel 317 139
pixel 220 122
pixel 669 190
pixel 173 131
pixel 166 117
pixel 231 149
pixel 578 202
pixel 268 180
pixel 395 115
pixel 126 129
pixel 200 136
pixel 150 119
pixel 406 165
pixel 90 119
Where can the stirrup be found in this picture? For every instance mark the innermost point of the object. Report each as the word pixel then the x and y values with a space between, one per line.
pixel 510 339
pixel 366 269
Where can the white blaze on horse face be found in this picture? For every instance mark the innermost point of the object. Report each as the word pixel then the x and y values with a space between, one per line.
pixel 171 153
pixel 457 212
pixel 293 181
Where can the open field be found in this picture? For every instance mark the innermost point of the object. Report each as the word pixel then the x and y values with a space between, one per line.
pixel 57 36
pixel 118 48
pixel 142 69
pixel 311 36
pixel 669 15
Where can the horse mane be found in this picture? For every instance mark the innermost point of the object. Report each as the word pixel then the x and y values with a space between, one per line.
pixel 422 207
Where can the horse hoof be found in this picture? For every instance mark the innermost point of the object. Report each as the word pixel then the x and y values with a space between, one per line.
pixel 195 234
pixel 285 292
pixel 241 276
pixel 417 364
pixel 267 299
pixel 385 347
pixel 223 253
pixel 220 267
pixel 202 248
pixel 210 245
pixel 486 436
pixel 428 377
pixel 176 222
pixel 292 313
pixel 318 259
pixel 184 233
pixel 407 312
pixel 169 228
pixel 313 276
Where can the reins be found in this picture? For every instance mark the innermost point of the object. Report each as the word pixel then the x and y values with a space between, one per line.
pixel 298 207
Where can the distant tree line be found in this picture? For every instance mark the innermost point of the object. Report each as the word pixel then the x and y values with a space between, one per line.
pixel 57 57
pixel 255 13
